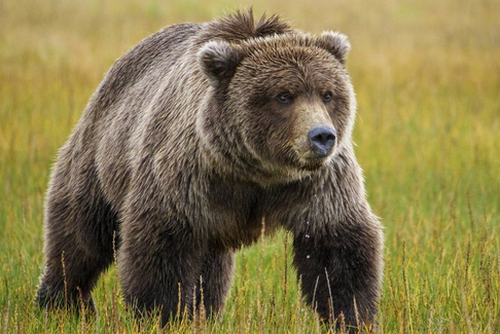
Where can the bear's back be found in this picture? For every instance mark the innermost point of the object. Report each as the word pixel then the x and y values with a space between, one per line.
pixel 155 52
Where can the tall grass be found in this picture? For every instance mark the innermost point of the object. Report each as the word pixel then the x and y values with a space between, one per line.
pixel 427 76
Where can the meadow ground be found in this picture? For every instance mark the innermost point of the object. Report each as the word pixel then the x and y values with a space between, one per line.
pixel 427 76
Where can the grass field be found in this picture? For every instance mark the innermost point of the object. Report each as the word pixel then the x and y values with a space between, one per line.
pixel 427 76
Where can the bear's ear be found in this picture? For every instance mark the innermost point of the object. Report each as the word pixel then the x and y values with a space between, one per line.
pixel 218 60
pixel 335 43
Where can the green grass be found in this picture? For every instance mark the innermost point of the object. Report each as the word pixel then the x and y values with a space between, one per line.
pixel 427 76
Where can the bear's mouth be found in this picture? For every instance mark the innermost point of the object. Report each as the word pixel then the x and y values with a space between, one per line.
pixel 315 162
pixel 312 160
pixel 317 158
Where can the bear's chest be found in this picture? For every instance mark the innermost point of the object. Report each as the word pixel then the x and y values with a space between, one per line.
pixel 241 214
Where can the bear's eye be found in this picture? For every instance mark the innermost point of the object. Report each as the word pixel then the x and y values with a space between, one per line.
pixel 284 98
pixel 327 97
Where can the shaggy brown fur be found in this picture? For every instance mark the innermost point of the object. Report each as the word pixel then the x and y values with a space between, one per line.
pixel 195 137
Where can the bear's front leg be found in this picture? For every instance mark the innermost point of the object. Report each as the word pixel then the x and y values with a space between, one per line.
pixel 217 276
pixel 159 267
pixel 340 268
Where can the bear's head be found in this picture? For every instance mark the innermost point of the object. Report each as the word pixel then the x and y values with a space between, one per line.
pixel 280 107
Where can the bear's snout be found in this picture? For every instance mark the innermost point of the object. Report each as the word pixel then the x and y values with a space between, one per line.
pixel 322 139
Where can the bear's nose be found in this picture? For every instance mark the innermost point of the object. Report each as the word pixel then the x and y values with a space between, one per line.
pixel 322 139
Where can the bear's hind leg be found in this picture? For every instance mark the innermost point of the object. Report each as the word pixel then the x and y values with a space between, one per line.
pixel 79 230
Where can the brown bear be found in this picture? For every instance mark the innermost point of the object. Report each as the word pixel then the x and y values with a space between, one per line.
pixel 197 137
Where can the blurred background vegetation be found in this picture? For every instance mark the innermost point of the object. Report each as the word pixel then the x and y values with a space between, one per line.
pixel 427 77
